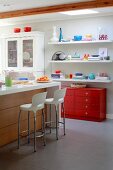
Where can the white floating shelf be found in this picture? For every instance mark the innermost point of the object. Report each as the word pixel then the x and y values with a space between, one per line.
pixel 83 81
pixel 80 61
pixel 81 42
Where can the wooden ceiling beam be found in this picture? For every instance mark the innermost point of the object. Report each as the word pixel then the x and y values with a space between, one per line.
pixel 58 8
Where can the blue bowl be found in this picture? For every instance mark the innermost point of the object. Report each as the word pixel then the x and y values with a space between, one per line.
pixel 77 37
pixel 23 78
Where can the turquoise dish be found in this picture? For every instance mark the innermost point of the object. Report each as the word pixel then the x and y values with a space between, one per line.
pixel 77 38
pixel 91 76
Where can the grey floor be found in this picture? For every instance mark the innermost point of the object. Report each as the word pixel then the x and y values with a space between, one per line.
pixel 86 146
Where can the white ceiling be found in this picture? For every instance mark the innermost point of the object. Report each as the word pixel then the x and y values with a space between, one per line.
pixel 11 5
pixel 52 17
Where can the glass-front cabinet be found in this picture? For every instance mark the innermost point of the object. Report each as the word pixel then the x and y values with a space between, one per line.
pixel 20 53
pixel 27 51
pixel 24 51
pixel 12 53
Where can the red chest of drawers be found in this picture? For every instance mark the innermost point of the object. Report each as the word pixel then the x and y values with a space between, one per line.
pixel 85 103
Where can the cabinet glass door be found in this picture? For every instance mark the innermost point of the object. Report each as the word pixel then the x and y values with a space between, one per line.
pixel 12 53
pixel 28 53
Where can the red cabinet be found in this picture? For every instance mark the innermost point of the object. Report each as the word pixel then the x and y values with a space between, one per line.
pixel 85 103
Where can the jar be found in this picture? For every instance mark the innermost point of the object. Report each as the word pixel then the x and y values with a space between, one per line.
pixel 66 76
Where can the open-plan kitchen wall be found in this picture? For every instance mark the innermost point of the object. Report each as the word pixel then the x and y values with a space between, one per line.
pixel 70 28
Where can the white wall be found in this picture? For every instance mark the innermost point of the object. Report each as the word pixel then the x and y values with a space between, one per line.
pixel 70 28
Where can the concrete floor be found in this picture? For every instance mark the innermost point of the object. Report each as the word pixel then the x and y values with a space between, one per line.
pixel 86 146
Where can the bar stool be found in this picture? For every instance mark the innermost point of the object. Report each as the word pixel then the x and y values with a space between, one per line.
pixel 57 99
pixel 38 102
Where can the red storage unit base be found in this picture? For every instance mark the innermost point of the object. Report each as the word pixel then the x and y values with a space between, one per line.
pixel 85 104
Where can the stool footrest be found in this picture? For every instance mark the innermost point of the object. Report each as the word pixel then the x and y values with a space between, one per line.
pixel 49 122
pixel 23 133
pixel 61 122
pixel 39 136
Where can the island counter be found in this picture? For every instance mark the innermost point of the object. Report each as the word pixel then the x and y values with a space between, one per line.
pixel 10 100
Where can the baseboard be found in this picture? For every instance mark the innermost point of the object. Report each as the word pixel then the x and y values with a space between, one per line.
pixel 109 116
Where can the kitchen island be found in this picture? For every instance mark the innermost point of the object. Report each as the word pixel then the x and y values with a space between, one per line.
pixel 10 100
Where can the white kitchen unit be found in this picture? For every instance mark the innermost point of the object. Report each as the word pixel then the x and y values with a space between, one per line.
pixel 23 51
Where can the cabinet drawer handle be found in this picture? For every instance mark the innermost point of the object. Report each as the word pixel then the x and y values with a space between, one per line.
pixel 86 113
pixel 86 93
pixel 86 100
pixel 86 106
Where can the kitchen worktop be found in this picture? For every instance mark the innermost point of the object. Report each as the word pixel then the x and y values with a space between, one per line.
pixel 21 88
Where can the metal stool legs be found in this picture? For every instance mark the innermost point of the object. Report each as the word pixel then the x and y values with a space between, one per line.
pixel 34 132
pixel 43 127
pixel 50 118
pixel 19 129
pixel 56 109
pixel 28 127
pixel 63 111
pixel 57 122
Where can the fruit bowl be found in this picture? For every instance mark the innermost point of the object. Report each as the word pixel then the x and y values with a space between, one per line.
pixel 43 79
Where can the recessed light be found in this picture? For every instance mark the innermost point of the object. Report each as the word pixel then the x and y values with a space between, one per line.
pixel 79 12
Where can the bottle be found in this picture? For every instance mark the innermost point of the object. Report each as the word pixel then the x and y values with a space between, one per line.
pixel 60 36
pixel 54 38
pixel 71 76
pixel 69 57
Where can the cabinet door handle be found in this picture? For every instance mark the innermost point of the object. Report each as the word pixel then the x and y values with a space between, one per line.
pixel 86 93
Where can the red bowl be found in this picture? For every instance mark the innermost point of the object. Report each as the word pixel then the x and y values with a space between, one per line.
pixel 16 30
pixel 27 29
pixel 57 71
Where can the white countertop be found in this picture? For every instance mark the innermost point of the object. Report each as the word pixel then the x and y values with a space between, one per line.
pixel 21 88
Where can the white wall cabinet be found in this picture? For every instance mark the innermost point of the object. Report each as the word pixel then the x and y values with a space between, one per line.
pixel 24 51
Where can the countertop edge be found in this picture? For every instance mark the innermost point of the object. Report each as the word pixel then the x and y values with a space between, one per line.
pixel 21 88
